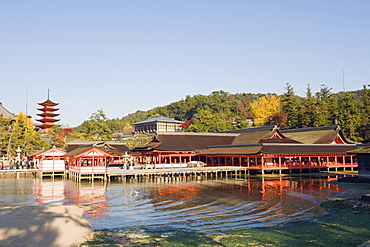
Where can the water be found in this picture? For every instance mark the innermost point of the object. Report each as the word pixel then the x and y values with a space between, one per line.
pixel 204 205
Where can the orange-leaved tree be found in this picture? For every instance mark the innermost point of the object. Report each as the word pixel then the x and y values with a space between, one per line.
pixel 264 108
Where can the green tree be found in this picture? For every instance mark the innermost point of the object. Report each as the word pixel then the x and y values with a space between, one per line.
pixel 308 110
pixel 364 128
pixel 208 122
pixel 349 116
pixel 291 105
pixel 94 129
pixel 20 132
pixel 326 107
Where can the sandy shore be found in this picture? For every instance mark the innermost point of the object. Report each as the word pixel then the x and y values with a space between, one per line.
pixel 57 226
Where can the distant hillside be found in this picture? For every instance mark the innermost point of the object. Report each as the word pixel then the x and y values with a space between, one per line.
pixel 218 102
pixel 221 110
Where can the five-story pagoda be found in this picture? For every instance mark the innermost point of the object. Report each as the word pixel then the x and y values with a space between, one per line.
pixel 48 115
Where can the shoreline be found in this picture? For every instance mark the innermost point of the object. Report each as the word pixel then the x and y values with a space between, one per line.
pixel 50 225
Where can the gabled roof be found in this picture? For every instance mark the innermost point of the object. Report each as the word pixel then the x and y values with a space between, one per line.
pixel 183 141
pixel 4 113
pixel 49 152
pixel 159 119
pixel 87 151
pixel 109 146
pixel 318 135
pixel 280 149
pixel 361 150
pixel 264 134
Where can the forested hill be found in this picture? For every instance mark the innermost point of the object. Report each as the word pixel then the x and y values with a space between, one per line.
pixel 223 111
pixel 218 104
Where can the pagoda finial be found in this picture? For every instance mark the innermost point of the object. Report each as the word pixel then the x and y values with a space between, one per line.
pixel 48 93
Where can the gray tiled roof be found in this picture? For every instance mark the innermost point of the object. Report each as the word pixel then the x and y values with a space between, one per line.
pixel 4 112
pixel 159 119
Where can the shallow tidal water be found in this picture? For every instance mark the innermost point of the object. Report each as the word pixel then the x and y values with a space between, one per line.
pixel 200 205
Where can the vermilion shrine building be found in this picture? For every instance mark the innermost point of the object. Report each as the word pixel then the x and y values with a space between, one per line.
pixel 175 150
pixel 262 148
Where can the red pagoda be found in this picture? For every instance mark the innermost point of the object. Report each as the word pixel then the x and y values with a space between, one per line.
pixel 48 115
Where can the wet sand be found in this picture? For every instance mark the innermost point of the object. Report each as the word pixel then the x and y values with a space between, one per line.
pixel 55 226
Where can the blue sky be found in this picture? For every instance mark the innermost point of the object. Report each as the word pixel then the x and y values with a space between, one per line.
pixel 122 56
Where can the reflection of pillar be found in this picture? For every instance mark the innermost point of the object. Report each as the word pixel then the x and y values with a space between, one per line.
pixel 263 191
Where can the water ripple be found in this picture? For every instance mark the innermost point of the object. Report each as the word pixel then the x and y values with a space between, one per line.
pixel 202 205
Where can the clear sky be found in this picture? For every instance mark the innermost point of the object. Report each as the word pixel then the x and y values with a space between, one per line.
pixel 127 55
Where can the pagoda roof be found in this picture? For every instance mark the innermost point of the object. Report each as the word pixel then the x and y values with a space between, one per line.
pixel 46 120
pixel 47 114
pixel 48 102
pixel 46 125
pixel 48 109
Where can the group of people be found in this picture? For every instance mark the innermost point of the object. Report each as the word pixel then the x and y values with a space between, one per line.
pixel 17 164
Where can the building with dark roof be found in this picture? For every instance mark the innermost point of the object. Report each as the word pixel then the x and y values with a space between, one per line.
pixel 177 149
pixel 318 135
pixel 158 124
pixel 260 148
pixel 363 157
pixel 4 113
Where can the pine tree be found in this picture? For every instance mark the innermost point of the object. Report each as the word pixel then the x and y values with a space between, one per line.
pixel 291 105
pixel 308 110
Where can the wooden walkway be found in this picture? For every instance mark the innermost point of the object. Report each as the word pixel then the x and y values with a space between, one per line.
pixel 18 173
pixel 117 173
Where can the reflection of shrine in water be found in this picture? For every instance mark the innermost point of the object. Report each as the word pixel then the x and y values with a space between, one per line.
pixel 71 192
pixel 206 205
pixel 93 194
pixel 210 205
pixel 50 191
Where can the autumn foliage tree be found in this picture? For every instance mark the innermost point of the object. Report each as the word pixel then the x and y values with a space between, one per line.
pixel 20 132
pixel 264 108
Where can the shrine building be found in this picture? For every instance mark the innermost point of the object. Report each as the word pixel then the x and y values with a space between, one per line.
pixel 4 113
pixel 158 124
pixel 261 149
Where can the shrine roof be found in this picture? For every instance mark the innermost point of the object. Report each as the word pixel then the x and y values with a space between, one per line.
pixel 279 149
pixel 317 135
pixel 263 134
pixel 159 119
pixel 185 141
pixel 82 150
pixel 111 147
pixel 49 152
pixel 364 149
pixel 4 112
